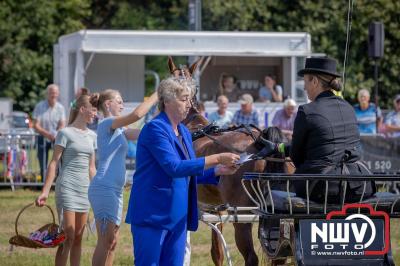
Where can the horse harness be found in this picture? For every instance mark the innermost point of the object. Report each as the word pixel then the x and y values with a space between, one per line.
pixel 212 129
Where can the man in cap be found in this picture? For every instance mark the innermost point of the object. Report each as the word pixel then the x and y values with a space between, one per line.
pixel 246 115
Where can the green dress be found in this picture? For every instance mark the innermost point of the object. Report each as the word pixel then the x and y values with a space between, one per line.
pixel 73 174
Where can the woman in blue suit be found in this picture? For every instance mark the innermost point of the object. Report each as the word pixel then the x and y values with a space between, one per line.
pixel 163 201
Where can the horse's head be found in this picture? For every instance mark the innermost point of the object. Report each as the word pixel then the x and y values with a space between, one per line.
pixel 194 120
pixel 183 72
pixel 273 134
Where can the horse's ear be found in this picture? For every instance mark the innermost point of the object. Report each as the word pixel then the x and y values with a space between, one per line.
pixel 193 67
pixel 171 65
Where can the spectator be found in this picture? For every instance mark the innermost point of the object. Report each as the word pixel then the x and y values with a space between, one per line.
pixel 246 115
pixel 271 92
pixel 48 118
pixel 284 118
pixel 367 113
pixel 392 120
pixel 227 87
pixel 222 117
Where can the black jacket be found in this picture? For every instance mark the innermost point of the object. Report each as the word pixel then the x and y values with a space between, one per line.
pixel 326 140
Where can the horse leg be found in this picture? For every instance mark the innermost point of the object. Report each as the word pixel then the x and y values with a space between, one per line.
pixel 244 242
pixel 217 252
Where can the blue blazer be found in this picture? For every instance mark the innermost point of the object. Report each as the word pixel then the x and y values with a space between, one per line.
pixel 164 189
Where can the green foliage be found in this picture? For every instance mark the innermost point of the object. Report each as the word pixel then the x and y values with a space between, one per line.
pixel 326 22
pixel 28 30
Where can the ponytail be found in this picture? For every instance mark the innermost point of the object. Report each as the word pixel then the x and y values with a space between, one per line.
pixel 84 100
pixel 329 82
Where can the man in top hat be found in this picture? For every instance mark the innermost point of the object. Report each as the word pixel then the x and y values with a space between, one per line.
pixel 325 139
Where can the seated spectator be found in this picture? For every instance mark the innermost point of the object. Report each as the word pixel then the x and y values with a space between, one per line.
pixel 367 113
pixel 284 118
pixel 222 117
pixel 246 115
pixel 271 92
pixel 392 119
pixel 227 87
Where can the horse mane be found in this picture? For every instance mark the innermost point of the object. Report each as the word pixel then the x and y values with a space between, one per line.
pixel 274 134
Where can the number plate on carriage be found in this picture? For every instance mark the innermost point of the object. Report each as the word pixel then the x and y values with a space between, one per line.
pixel 352 236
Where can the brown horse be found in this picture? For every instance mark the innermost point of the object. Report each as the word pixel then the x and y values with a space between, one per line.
pixel 229 190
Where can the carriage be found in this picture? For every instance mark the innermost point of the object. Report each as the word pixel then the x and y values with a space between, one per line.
pixel 284 220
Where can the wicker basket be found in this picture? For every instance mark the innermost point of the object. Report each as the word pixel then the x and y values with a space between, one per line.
pixel 23 241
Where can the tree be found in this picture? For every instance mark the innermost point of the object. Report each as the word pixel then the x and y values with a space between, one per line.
pixel 28 30
pixel 326 22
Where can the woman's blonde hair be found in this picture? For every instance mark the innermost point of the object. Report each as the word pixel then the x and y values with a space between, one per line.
pixel 171 88
pixel 328 82
pixel 106 95
pixel 85 100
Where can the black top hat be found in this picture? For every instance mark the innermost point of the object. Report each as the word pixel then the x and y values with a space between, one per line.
pixel 319 65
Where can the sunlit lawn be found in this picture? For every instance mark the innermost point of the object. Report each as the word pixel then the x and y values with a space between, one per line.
pixel 12 202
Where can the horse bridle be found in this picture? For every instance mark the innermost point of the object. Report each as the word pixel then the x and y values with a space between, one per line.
pixel 207 130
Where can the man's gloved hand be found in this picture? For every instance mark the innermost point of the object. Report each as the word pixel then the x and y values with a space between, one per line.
pixel 270 148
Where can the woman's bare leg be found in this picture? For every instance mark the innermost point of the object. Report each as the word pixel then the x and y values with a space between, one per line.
pixel 106 242
pixel 76 249
pixel 69 230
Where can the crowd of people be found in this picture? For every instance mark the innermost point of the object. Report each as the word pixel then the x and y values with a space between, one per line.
pixel 163 201
pixel 370 119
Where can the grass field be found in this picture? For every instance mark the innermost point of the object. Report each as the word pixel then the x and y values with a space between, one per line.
pixel 33 218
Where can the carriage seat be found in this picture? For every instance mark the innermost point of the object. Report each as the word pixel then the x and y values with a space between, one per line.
pixel 383 201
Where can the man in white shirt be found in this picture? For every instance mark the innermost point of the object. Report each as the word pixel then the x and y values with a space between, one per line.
pixel 48 118
pixel 222 117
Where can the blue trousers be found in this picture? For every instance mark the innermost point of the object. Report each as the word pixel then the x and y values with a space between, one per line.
pixel 43 154
pixel 159 247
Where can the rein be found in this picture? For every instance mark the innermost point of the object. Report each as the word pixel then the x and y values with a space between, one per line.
pixel 231 149
pixel 206 131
